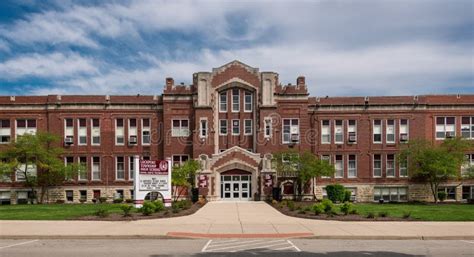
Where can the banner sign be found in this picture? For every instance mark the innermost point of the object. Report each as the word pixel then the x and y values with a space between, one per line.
pixel 153 175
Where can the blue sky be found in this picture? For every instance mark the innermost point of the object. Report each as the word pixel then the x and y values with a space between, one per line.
pixel 342 47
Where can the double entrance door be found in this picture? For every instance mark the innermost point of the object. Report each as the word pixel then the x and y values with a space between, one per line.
pixel 236 187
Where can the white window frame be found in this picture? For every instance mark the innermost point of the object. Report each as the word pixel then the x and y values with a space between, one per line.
pixel 81 131
pixel 349 168
pixel 180 159
pixel 79 178
pixel 93 132
pixel 67 178
pixel 401 127
pixel 394 133
pixel 335 166
pixel 233 133
pixel 226 127
pixel 444 127
pixel 325 131
pixel 267 121
pixel 117 168
pixel 326 157
pixel 122 134
pixel 223 102
pixel 352 129
pixel 373 165
pixel 98 171
pixel 245 127
pixel 146 129
pixel 373 131
pixel 181 131
pixel 403 167
pixel 132 131
pixel 247 93
pixel 6 132
pixel 341 126
pixel 236 103
pixel 291 125
pixel 28 129
pixel 69 130
pixel 31 170
pixel 131 167
pixel 470 127
pixel 203 132
pixel 394 168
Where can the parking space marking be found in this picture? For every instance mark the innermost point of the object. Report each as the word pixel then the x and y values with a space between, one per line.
pixel 22 243
pixel 249 245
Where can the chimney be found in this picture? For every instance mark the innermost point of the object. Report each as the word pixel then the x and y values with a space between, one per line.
pixel 300 81
pixel 169 82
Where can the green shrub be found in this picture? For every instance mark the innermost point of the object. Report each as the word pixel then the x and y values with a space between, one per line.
pixel 148 208
pixel 102 199
pixel 102 213
pixel 317 209
pixel 370 215
pixel 291 205
pixel 301 210
pixel 354 212
pixel 442 196
pixel 347 195
pixel 383 214
pixel 335 193
pixel 328 206
pixel 307 208
pixel 118 200
pixel 159 205
pixel 406 215
pixel 127 209
pixel 346 208
pixel 175 208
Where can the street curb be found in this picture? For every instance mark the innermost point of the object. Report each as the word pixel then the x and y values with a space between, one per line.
pixel 259 235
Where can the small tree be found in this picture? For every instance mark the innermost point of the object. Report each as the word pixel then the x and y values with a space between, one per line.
pixel 301 167
pixel 435 164
pixel 182 177
pixel 37 152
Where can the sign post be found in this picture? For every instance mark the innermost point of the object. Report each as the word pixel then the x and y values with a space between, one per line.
pixel 151 176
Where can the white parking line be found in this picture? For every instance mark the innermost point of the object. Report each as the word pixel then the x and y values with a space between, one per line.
pixel 242 245
pixel 205 247
pixel 258 247
pixel 22 243
pixel 233 243
pixel 296 248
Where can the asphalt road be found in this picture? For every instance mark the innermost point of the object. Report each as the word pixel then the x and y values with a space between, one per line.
pixel 235 247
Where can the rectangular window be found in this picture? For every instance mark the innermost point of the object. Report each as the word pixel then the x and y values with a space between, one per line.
pixel 467 192
pixel 235 100
pixel 119 132
pixel 377 165
pixel 223 102
pixel 180 128
pixel 338 132
pixel 352 166
pixel 5 131
pixel 69 195
pixel 24 126
pixel 132 132
pixel 467 127
pixel 268 127
pixel 403 130
pixel 352 131
pixel 248 102
pixel 146 132
pixel 68 161
pixel 247 127
pixel 96 168
pixel 403 168
pixel 30 171
pixel 68 131
pixel 223 127
pixel 82 131
pixel 235 127
pixel 178 160
pixel 119 168
pixel 83 195
pixel 392 194
pixel 445 127
pixel 339 166
pixel 468 163
pixel 377 131
pixel 325 132
pixel 326 158
pixel 131 167
pixel 291 131
pixel 82 174
pixel 390 132
pixel 450 192
pixel 95 131
pixel 390 165
pixel 203 128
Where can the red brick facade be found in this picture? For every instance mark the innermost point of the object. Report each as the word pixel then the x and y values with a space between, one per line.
pixel 188 122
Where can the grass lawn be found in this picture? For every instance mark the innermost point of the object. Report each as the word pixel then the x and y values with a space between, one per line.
pixel 424 212
pixel 52 211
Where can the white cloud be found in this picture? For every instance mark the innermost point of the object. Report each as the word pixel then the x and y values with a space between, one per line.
pixel 4 46
pixel 47 66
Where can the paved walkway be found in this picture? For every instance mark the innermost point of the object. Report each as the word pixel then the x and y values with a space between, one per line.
pixel 237 219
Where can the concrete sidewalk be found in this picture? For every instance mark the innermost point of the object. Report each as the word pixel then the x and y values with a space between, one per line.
pixel 237 219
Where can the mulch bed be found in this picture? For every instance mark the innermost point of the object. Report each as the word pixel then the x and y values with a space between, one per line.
pixel 340 217
pixel 167 213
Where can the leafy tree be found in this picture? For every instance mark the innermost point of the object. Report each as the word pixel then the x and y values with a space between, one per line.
pixel 182 177
pixel 436 163
pixel 301 167
pixel 37 152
